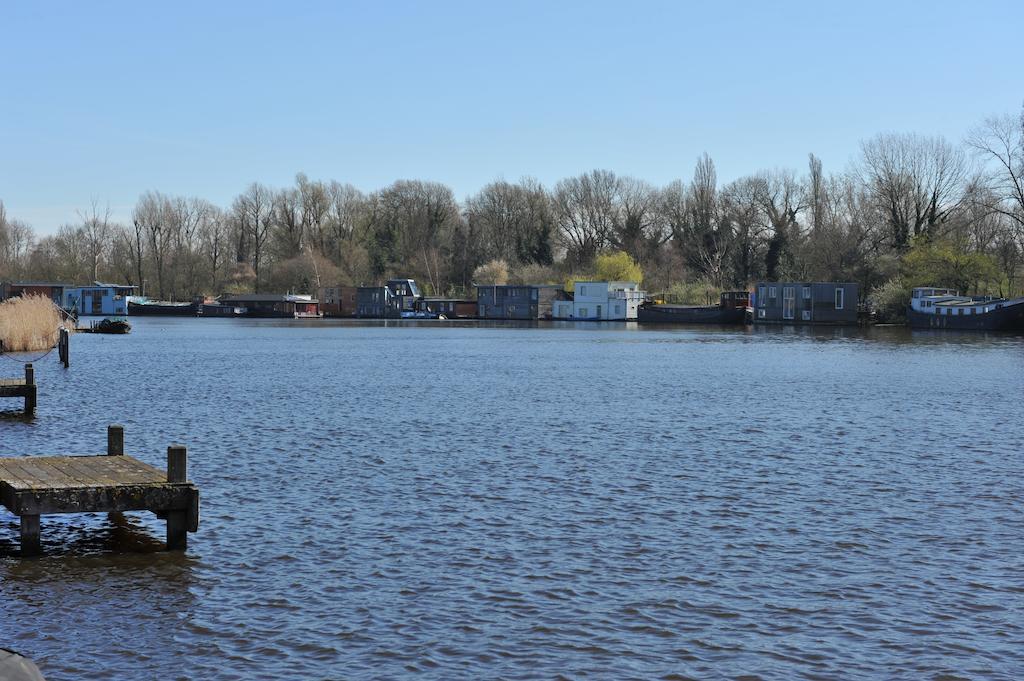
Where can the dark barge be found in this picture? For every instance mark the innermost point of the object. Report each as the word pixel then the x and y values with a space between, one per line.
pixel 731 309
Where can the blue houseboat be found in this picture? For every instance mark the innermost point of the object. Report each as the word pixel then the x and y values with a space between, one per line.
pixel 99 299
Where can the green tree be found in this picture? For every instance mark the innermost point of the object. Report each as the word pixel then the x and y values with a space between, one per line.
pixel 941 263
pixel 617 266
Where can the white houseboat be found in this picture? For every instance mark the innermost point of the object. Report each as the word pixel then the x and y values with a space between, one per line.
pixel 943 308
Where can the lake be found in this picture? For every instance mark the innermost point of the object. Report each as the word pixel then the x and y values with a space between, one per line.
pixel 447 500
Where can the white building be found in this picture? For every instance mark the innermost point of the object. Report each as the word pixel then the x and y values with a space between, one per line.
pixel 601 301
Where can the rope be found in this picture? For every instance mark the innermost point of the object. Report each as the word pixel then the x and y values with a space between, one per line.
pixel 27 361
pixel 30 361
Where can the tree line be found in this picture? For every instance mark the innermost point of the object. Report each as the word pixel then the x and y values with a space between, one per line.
pixel 910 210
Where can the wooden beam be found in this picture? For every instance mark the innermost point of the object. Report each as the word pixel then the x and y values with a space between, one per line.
pixel 30 543
pixel 30 386
pixel 177 521
pixel 115 440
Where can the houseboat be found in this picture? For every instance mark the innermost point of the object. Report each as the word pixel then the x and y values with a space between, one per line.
pixel 731 309
pixel 447 308
pixel 518 301
pixel 395 300
pixel 805 303
pixel 600 301
pixel 941 308
pixel 140 305
pixel 99 299
pixel 49 289
pixel 338 301
pixel 275 305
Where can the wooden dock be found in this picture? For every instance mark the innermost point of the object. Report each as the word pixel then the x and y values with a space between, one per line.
pixel 34 486
pixel 16 387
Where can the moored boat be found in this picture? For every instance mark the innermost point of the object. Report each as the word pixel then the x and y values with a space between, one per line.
pixel 143 306
pixel 108 325
pixel 731 309
pixel 940 308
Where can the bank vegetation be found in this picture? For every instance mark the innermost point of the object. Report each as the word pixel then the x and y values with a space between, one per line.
pixel 911 210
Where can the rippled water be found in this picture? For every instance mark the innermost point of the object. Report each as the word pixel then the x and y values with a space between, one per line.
pixel 445 501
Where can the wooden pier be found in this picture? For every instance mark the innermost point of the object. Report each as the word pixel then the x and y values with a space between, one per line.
pixel 34 486
pixel 16 387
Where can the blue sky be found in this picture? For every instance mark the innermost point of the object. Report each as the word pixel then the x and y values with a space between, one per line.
pixel 106 100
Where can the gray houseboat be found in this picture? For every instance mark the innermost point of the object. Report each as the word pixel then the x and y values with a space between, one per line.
pixel 805 303
pixel 517 301
pixel 397 298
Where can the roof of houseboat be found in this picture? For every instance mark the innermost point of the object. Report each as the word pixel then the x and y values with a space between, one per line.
pixel 269 298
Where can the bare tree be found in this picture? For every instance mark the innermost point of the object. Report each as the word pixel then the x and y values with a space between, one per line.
pixel 254 210
pixel 917 182
pixel 288 226
pixel 698 232
pixel 96 229
pixel 638 230
pixel 16 240
pixel 781 200
pixel 585 211
pixel 153 221
pixel 511 222
pixel 1000 142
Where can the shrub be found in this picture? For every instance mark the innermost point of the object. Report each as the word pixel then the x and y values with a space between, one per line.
pixel 493 273
pixel 534 274
pixel 890 300
pixel 693 293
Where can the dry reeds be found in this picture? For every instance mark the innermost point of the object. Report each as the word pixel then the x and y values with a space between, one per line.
pixel 30 324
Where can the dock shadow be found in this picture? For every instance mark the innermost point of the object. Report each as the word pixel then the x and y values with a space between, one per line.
pixel 86 534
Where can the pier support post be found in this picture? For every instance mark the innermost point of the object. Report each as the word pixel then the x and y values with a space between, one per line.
pixel 115 447
pixel 177 471
pixel 30 389
pixel 63 346
pixel 115 440
pixel 30 544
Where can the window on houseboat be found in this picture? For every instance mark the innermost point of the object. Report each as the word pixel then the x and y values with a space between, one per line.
pixel 840 298
pixel 760 295
pixel 771 292
pixel 807 292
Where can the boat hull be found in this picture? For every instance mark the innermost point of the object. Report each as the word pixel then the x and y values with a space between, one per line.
pixel 1009 317
pixel 160 309
pixel 686 314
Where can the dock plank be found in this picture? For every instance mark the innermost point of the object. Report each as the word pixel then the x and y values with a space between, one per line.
pixel 36 476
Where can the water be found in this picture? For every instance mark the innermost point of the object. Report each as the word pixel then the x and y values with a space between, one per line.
pixel 442 501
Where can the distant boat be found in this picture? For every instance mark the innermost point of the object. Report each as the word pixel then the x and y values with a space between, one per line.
pixel 731 309
pixel 107 325
pixel 942 308
pixel 138 305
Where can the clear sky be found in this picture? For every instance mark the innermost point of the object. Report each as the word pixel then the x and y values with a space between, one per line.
pixel 104 100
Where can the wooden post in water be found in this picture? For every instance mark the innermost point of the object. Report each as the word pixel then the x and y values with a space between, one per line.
pixel 30 389
pixel 115 447
pixel 63 347
pixel 177 471
pixel 115 440
pixel 30 544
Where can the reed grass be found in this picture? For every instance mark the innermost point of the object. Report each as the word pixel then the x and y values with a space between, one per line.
pixel 30 324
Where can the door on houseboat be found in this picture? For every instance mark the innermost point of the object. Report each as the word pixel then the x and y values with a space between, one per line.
pixel 788 302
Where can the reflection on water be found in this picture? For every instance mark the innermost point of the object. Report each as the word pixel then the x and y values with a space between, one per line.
pixel 464 500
